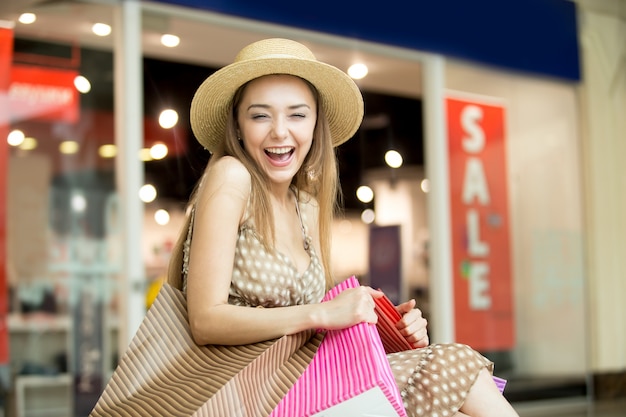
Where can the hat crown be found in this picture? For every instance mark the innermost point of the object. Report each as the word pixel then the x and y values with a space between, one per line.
pixel 269 48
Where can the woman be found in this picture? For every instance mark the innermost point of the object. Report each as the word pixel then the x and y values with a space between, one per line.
pixel 258 233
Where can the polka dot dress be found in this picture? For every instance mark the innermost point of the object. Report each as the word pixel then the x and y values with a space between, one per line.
pixel 270 279
pixel 433 381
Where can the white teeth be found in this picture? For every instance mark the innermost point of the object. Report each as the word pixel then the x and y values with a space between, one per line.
pixel 279 151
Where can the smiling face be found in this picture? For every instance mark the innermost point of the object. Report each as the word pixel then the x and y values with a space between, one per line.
pixel 276 118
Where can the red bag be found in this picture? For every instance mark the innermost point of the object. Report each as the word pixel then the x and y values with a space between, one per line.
pixel 388 316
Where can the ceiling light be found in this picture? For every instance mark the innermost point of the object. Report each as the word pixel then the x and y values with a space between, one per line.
pixel 15 137
pixel 101 29
pixel 162 217
pixel 147 193
pixel 28 144
pixel 368 216
pixel 365 194
pixel 169 40
pixel 357 71
pixel 393 159
pixel 158 151
pixel 27 18
pixel 107 151
pixel 168 118
pixel 69 147
pixel 82 84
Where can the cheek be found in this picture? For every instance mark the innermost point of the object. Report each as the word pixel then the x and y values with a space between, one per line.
pixel 251 134
pixel 307 143
pixel 310 131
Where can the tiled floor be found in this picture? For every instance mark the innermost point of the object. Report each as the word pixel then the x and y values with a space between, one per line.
pixel 572 408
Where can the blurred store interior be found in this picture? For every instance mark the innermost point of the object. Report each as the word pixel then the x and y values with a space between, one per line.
pixel 63 178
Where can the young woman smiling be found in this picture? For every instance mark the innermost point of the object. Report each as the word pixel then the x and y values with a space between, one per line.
pixel 254 256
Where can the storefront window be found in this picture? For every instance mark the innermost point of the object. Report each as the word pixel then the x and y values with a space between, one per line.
pixel 539 180
pixel 63 252
pixel 64 244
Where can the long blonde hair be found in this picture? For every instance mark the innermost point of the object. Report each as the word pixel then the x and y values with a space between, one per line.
pixel 317 178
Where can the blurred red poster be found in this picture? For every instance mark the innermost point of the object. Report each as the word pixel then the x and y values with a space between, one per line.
pixel 41 93
pixel 6 53
pixel 483 298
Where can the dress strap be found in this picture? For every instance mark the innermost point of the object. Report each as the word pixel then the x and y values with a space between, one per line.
pixel 186 248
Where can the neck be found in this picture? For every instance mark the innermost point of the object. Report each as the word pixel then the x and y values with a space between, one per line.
pixel 282 195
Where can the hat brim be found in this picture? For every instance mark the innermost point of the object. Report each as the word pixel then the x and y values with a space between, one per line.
pixel 339 96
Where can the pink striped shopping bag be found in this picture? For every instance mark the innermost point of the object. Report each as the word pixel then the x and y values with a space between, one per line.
pixel 348 376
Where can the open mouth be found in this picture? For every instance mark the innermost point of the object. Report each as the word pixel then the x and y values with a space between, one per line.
pixel 279 154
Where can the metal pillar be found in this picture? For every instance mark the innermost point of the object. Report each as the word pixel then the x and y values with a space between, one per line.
pixel 128 67
pixel 440 250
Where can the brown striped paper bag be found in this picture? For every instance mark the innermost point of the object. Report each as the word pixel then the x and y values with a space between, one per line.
pixel 164 373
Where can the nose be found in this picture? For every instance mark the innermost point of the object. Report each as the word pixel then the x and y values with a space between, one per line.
pixel 279 128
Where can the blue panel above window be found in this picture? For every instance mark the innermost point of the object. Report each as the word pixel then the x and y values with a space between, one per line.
pixel 537 36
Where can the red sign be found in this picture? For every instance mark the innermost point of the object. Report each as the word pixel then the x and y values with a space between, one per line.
pixel 484 315
pixel 38 93
pixel 6 52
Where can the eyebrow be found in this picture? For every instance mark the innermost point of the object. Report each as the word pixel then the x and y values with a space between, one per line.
pixel 267 106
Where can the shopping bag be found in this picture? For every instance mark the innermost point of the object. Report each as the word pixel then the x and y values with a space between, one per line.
pixel 164 373
pixel 500 383
pixel 348 376
pixel 388 316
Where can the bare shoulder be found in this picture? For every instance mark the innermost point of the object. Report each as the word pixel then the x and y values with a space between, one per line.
pixel 230 169
pixel 228 172
pixel 226 178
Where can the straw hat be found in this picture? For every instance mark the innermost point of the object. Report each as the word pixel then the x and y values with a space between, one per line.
pixel 339 95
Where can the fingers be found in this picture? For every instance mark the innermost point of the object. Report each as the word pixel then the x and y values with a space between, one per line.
pixel 371 291
pixel 410 317
pixel 359 304
pixel 421 342
pixel 417 338
pixel 417 326
pixel 406 307
pixel 371 294
pixel 413 326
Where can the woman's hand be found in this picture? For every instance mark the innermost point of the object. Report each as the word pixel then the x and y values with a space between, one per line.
pixel 412 325
pixel 350 307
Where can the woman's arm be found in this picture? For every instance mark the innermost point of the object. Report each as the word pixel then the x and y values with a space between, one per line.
pixel 222 199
